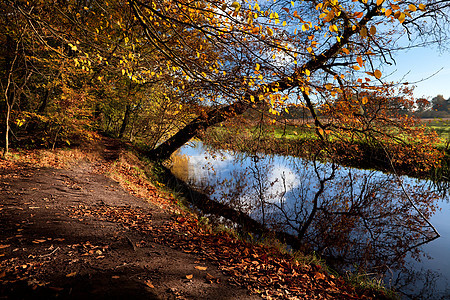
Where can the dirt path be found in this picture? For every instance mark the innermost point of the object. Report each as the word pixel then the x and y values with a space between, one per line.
pixel 72 234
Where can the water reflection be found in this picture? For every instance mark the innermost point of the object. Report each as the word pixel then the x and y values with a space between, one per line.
pixel 360 219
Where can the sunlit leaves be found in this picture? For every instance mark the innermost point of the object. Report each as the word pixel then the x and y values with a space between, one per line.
pixel 236 5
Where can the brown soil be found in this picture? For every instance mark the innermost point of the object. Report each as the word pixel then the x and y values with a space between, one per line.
pixel 48 249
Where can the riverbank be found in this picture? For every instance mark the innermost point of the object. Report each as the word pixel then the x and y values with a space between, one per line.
pixel 301 141
pixel 83 223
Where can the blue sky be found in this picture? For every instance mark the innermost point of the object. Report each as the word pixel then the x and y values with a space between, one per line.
pixel 421 63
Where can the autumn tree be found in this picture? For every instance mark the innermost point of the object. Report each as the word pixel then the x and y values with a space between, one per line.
pixel 223 58
pixel 276 52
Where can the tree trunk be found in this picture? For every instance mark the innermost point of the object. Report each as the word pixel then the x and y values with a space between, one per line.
pixel 125 121
pixel 8 115
pixel 215 116
pixel 43 105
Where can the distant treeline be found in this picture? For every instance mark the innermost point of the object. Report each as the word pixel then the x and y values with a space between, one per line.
pixel 438 107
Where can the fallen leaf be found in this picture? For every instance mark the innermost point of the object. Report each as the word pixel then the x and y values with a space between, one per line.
pixel 149 284
pixel 4 246
pixel 57 289
pixel 319 275
pixel 71 274
pixel 115 277
pixel 209 277
pixel 39 241
pixel 190 276
pixel 201 268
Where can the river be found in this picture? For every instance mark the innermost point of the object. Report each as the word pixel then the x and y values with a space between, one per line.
pixel 363 219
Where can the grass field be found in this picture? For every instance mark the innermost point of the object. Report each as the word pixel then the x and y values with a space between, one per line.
pixel 441 126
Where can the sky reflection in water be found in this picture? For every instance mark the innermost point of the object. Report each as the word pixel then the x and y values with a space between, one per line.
pixel 284 178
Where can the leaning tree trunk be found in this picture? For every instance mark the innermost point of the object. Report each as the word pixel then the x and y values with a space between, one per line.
pixel 215 116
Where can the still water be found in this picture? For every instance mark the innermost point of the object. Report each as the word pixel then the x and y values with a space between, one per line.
pixel 363 219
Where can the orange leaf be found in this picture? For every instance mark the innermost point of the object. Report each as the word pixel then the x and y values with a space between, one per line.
pixel 360 61
pixel 377 74
pixel 4 246
pixel 201 268
pixel 39 241
pixel 190 276
pixel 319 275
pixel 149 284
pixel 71 274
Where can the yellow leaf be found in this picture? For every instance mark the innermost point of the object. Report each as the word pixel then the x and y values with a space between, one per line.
pixel 422 7
pixel 333 28
pixel 190 276
pixel 257 67
pixel 412 7
pixel 364 100
pixel 201 268
pixel 236 6
pixel 73 47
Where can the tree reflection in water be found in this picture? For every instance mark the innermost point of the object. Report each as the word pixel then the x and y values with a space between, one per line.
pixel 358 219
